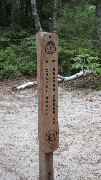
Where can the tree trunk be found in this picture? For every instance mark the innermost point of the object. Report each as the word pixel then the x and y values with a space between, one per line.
pixel 22 18
pixel 13 14
pixel 35 15
pixel 97 27
pixel 28 8
pixel 3 13
pixel 54 15
pixel 28 12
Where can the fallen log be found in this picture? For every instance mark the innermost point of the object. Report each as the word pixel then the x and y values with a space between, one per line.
pixel 75 76
pixel 23 86
pixel 61 79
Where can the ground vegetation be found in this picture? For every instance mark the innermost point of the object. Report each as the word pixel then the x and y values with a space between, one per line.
pixel 78 27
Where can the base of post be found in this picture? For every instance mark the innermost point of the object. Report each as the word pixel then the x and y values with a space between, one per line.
pixel 46 171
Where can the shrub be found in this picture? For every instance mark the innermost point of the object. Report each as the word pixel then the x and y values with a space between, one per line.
pixel 87 61
pixel 15 60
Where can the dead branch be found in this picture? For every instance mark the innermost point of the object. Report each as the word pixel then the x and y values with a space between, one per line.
pixel 75 76
pixel 61 79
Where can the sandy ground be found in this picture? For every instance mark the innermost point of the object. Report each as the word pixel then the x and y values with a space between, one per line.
pixel 79 155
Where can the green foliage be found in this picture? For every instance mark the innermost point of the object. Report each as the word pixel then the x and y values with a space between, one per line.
pixel 75 26
pixel 10 36
pixel 44 11
pixel 7 63
pixel 17 60
pixel 76 22
pixel 4 42
pixel 88 62
pixel 65 60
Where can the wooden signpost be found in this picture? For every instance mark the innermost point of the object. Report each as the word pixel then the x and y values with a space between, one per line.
pixel 47 80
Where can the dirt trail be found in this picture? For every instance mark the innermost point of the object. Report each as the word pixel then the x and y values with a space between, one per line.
pixel 79 155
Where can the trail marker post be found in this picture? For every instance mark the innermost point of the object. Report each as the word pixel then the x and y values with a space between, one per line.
pixel 47 81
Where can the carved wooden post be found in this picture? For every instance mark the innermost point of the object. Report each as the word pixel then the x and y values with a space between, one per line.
pixel 47 80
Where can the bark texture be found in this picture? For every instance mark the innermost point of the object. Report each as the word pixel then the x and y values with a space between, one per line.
pixel 54 15
pixel 35 15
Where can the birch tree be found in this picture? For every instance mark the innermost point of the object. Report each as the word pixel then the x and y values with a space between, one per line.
pixel 54 15
pixel 36 16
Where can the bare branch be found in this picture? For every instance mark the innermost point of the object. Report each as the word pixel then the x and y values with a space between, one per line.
pixel 35 15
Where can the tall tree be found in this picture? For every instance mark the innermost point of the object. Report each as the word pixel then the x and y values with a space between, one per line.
pixel 22 12
pixel 97 26
pixel 54 15
pixel 36 16
pixel 3 12
pixel 13 13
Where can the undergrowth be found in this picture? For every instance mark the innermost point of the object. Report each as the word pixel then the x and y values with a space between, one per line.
pixel 18 55
pixel 19 59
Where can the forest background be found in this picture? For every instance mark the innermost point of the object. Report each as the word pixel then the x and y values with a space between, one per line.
pixel 78 28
